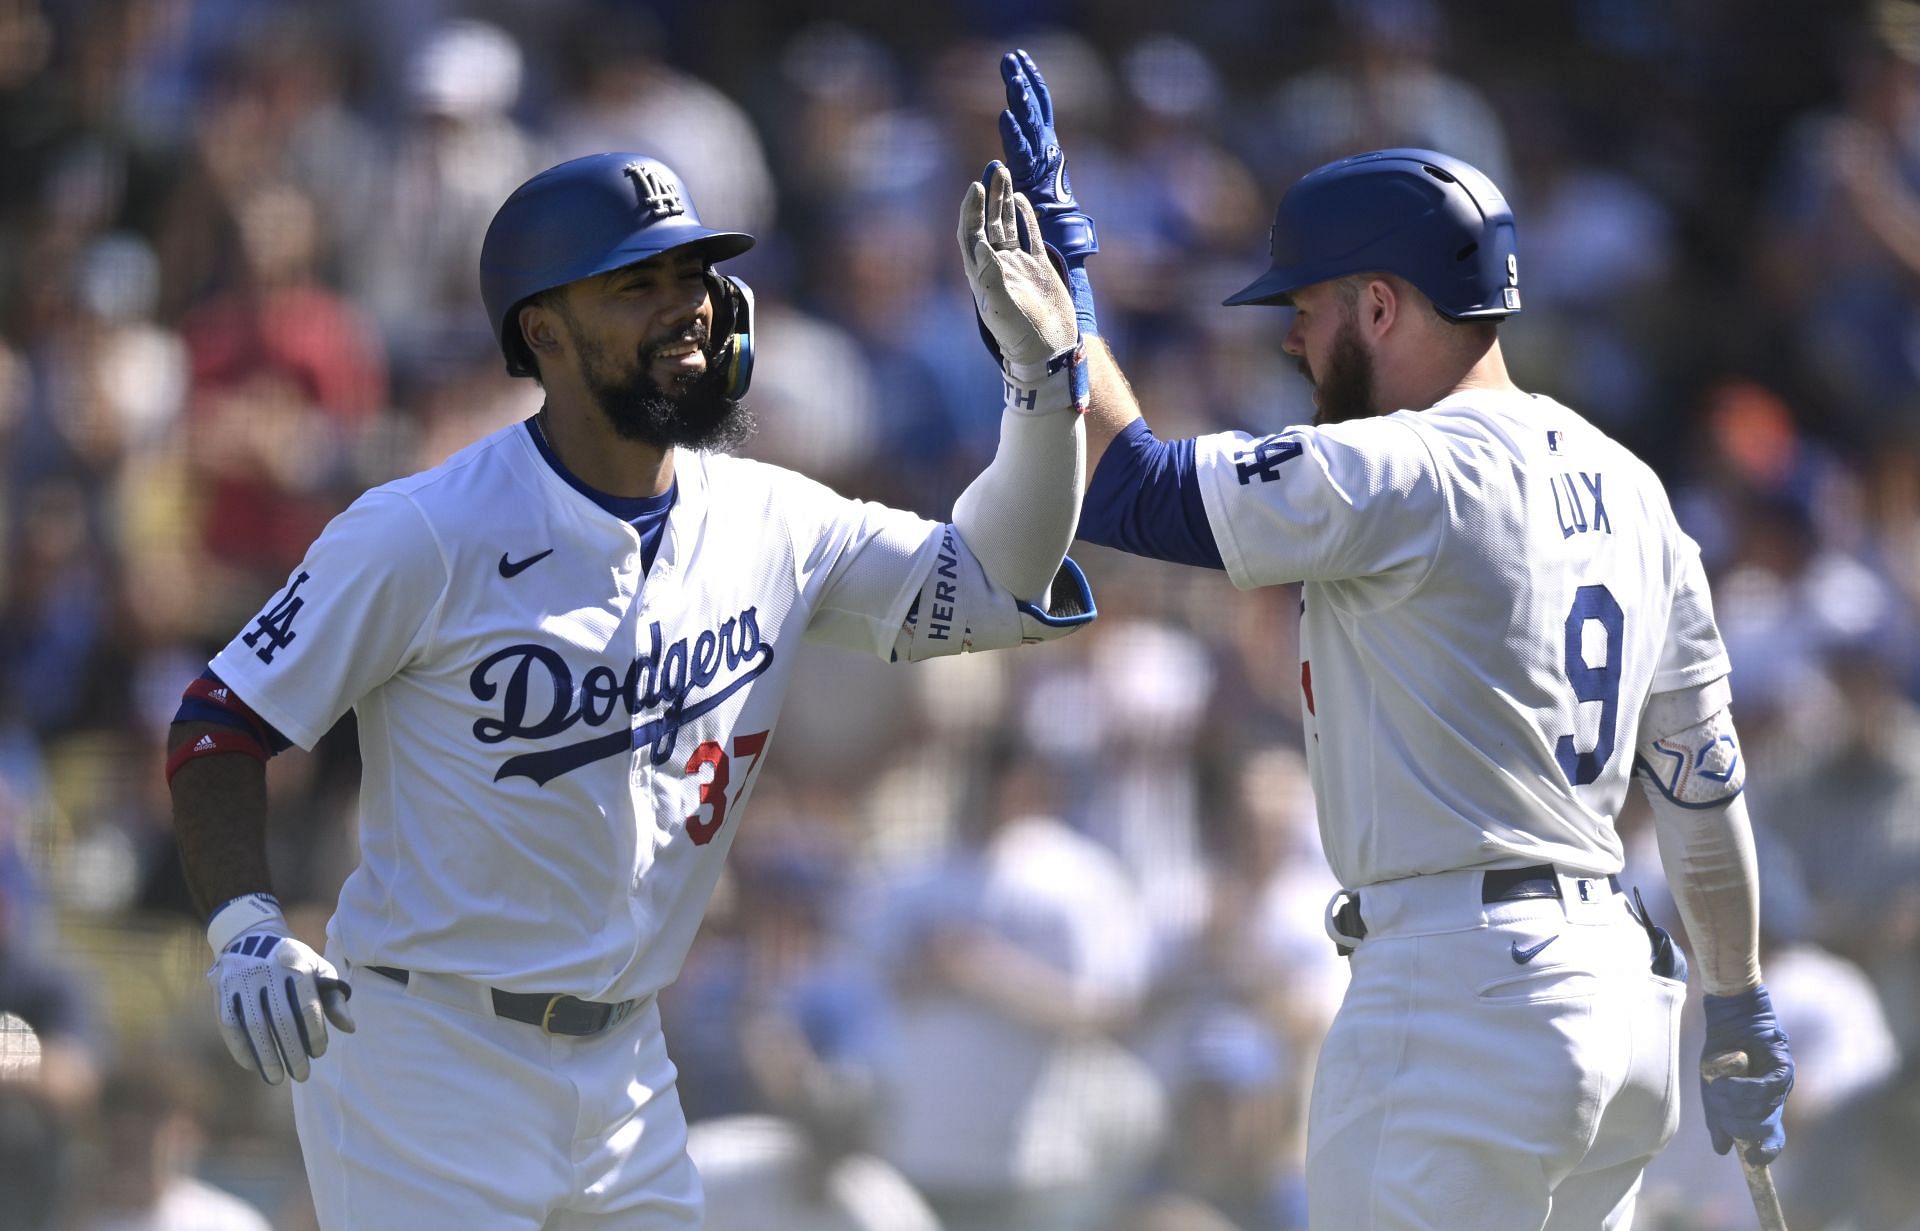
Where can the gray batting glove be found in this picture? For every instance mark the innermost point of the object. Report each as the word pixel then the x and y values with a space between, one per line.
pixel 1022 299
pixel 274 995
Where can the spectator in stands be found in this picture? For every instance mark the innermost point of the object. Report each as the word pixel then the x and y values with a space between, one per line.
pixel 150 1137
pixel 1013 962
pixel 48 1048
pixel 287 376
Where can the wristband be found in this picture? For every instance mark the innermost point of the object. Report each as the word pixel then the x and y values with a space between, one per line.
pixel 1082 287
pixel 1062 384
pixel 247 913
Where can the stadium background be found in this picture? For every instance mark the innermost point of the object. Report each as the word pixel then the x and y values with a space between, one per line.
pixel 1042 931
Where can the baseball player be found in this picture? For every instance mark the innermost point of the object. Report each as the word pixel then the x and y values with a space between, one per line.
pixel 566 647
pixel 1501 623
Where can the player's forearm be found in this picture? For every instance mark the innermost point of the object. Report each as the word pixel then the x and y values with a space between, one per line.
pixel 1112 405
pixel 1708 856
pixel 219 821
pixel 1019 515
pixel 1689 762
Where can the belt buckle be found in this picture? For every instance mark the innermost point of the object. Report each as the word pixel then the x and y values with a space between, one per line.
pixel 546 1018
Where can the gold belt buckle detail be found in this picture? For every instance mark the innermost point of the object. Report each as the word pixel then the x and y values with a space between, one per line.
pixel 546 1018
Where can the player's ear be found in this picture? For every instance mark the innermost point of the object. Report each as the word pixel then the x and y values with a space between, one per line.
pixel 540 326
pixel 1380 304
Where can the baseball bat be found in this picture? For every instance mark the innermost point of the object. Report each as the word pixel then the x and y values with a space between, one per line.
pixel 1766 1202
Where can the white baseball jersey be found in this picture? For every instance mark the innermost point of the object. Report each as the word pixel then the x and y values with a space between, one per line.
pixel 556 745
pixel 1493 588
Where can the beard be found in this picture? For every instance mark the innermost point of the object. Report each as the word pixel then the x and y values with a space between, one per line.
pixel 690 411
pixel 1346 384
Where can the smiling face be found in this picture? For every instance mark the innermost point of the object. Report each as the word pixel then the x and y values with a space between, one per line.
pixel 639 339
pixel 1325 339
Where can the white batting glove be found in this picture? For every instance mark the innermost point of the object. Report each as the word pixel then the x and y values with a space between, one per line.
pixel 1021 298
pixel 274 995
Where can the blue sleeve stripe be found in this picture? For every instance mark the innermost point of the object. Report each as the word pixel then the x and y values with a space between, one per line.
pixel 1144 498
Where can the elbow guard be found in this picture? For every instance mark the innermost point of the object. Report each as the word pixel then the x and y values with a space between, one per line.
pixel 959 610
pixel 1699 767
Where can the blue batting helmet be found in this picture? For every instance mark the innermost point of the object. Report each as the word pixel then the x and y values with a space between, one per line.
pixel 1431 219
pixel 590 216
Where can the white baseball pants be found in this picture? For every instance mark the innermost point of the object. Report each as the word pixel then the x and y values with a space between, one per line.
pixel 435 1114
pixel 1474 1079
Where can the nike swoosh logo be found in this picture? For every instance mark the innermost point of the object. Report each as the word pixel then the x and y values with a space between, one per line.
pixel 513 568
pixel 1523 956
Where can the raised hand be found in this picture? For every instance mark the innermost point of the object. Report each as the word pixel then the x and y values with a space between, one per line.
pixel 1022 301
pixel 1039 168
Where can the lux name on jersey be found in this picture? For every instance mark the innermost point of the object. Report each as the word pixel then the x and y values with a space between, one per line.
pixel 1578 504
pixel 669 673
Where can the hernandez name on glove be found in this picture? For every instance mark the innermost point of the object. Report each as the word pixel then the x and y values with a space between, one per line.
pixel 1747 1109
pixel 1023 305
pixel 1039 170
pixel 274 995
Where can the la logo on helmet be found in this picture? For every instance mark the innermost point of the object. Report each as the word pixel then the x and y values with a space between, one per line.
pixel 659 196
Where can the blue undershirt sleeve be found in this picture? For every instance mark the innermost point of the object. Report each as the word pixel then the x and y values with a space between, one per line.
pixel 1144 498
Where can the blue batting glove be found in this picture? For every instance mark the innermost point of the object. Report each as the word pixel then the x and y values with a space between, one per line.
pixel 1039 171
pixel 1747 1109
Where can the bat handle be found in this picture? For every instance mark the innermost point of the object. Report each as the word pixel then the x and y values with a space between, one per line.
pixel 1766 1202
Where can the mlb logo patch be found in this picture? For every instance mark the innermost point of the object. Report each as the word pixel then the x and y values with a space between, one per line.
pixel 1553 442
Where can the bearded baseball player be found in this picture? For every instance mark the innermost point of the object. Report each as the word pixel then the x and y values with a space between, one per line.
pixel 1501 623
pixel 566 647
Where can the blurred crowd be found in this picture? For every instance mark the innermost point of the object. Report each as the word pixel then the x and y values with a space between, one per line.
pixel 1029 943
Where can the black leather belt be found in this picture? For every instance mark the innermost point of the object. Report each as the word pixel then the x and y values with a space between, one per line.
pixel 1496 885
pixel 1537 881
pixel 555 1014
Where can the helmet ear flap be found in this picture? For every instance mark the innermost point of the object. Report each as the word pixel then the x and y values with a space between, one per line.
pixel 732 348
